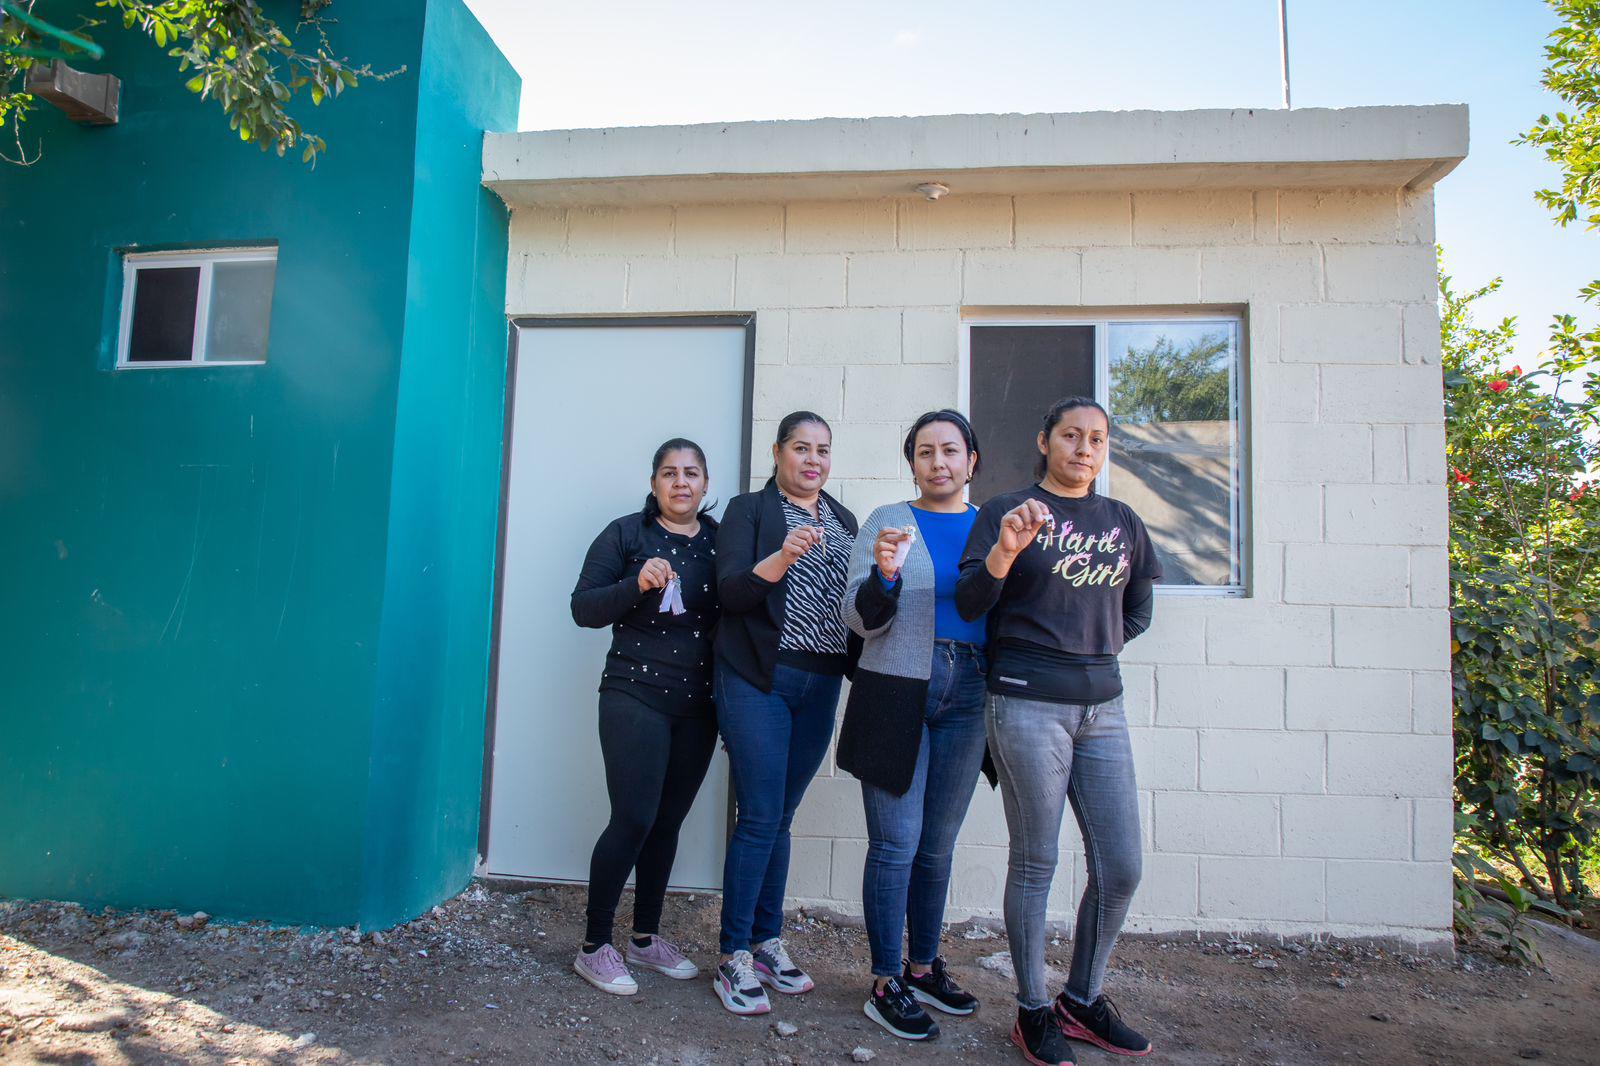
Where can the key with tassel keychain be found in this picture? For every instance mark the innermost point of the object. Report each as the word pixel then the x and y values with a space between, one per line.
pixel 672 597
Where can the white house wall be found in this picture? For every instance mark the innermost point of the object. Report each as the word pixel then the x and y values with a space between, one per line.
pixel 1293 746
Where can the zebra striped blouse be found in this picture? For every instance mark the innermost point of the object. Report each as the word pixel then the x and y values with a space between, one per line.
pixel 811 619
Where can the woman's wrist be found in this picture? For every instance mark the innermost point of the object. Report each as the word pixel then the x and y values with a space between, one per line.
pixel 772 568
pixel 998 561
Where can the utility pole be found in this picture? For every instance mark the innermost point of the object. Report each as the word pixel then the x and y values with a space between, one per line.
pixel 1283 48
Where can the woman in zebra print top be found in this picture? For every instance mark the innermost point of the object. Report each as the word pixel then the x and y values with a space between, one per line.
pixel 781 652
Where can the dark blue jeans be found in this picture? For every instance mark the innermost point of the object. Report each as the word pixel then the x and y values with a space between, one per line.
pixel 776 741
pixel 912 838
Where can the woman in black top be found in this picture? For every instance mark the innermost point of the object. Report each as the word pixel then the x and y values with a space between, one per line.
pixel 651 577
pixel 781 652
pixel 1066 576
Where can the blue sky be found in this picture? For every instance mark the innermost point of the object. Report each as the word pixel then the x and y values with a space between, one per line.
pixel 614 63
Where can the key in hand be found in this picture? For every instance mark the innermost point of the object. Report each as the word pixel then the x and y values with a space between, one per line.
pixel 672 598
pixel 903 548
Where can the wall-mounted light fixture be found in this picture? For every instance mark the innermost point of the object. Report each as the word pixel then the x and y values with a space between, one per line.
pixel 87 98
pixel 933 190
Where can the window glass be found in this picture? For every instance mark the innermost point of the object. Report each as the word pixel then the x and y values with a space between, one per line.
pixel 1175 440
pixel 164 301
pixel 241 307
pixel 1018 372
pixel 1172 388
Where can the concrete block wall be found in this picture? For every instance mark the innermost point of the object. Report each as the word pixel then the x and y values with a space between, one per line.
pixel 1293 746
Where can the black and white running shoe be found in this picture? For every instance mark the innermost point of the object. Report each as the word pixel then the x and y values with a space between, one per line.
pixel 937 990
pixel 897 1010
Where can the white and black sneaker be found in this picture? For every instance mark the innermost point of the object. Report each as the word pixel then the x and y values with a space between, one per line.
pixel 897 1010
pixel 736 984
pixel 937 990
pixel 774 967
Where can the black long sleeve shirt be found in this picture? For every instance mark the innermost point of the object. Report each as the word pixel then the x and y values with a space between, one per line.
pixel 1072 598
pixel 658 657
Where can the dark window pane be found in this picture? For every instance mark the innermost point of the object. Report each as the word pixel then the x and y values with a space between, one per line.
pixel 1017 372
pixel 241 306
pixel 163 314
pixel 1174 448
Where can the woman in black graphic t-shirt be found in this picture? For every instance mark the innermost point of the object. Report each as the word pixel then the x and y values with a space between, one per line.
pixel 651 577
pixel 1066 576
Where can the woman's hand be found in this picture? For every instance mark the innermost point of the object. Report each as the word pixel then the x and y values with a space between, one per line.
pixel 885 551
pixel 1018 527
pixel 655 575
pixel 800 540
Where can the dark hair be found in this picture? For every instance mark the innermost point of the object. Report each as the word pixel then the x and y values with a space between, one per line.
pixel 955 418
pixel 1052 416
pixel 652 508
pixel 793 421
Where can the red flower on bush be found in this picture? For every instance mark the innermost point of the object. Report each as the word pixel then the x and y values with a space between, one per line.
pixel 1578 495
pixel 1461 475
pixel 1499 385
pixel 1516 371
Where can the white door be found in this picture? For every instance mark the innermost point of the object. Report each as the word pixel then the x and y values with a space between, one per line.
pixel 591 405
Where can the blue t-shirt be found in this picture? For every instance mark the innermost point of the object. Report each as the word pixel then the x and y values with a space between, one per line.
pixel 945 537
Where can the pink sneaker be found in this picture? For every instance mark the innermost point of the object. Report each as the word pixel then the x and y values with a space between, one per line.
pixel 604 969
pixel 662 957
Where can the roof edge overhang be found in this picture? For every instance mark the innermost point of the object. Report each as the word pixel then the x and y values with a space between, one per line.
pixel 1408 147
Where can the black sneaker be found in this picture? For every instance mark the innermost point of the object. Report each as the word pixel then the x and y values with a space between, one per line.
pixel 939 992
pixel 1039 1036
pixel 1100 1024
pixel 894 1008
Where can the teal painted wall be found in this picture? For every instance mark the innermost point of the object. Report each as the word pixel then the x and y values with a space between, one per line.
pixel 197 705
pixel 433 661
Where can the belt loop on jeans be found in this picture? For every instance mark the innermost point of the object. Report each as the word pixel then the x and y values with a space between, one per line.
pixel 958 645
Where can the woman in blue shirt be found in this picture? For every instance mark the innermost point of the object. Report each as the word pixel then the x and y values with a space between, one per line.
pixel 914 727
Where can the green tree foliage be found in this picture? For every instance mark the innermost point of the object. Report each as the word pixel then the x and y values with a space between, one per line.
pixel 1524 533
pixel 1571 138
pixel 231 51
pixel 1165 383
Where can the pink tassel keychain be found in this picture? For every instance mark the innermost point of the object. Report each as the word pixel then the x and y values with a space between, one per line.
pixel 672 598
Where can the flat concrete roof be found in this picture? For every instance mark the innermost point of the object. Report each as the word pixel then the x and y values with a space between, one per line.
pixel 870 158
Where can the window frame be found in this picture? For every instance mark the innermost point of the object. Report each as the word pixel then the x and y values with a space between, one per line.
pixel 1101 322
pixel 206 260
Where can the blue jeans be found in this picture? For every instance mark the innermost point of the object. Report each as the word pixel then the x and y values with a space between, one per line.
pixel 911 839
pixel 776 741
pixel 1050 755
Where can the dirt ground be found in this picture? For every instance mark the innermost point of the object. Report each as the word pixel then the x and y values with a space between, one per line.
pixel 487 978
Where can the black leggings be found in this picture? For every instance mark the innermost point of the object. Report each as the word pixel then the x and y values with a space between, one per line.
pixel 654 765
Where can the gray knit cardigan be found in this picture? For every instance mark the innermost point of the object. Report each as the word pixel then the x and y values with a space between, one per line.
pixel 902 646
pixel 882 731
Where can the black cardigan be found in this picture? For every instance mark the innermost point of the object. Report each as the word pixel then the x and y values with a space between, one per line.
pixel 752 607
pixel 881 737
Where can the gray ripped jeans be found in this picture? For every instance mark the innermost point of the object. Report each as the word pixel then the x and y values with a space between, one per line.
pixel 1049 755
